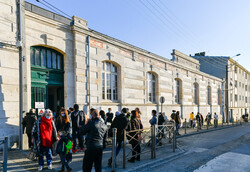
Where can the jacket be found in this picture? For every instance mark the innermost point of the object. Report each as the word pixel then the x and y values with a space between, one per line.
pixel 77 119
pixel 153 121
pixel 135 124
pixel 28 122
pixel 161 120
pixel 36 135
pixel 120 122
pixel 110 116
pixel 95 130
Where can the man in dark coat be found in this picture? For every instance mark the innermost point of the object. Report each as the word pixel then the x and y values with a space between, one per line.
pixel 110 115
pixel 120 123
pixel 77 120
pixel 95 129
pixel 28 123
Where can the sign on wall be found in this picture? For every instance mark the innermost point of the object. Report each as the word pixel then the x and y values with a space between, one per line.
pixel 39 105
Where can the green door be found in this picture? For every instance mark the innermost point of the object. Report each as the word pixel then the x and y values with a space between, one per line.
pixel 47 77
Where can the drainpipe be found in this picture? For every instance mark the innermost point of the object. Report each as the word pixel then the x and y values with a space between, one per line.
pixel 88 66
pixel 19 45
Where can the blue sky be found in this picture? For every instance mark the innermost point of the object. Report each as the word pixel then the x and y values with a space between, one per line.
pixel 218 27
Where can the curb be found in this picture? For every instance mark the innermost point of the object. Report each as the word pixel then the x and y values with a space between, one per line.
pixel 206 131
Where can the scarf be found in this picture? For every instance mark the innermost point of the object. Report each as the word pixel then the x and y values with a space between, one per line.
pixel 46 130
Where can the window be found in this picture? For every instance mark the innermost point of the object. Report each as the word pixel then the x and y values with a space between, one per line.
pixel 245 75
pixel 219 96
pixel 245 87
pixel 235 69
pixel 239 97
pixel 209 96
pixel 231 97
pixel 239 84
pixel 235 84
pixel 151 80
pixel 196 93
pixel 44 57
pixel 109 81
pixel 178 91
pixel 236 97
pixel 246 99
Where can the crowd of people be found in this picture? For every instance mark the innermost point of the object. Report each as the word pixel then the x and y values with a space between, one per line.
pixel 68 131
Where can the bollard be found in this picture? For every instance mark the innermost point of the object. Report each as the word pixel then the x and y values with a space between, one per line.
pixel 124 150
pixel 153 138
pixel 114 149
pixel 5 154
pixel 185 126
pixel 174 135
pixel 169 136
pixel 207 124
pixel 222 123
pixel 240 121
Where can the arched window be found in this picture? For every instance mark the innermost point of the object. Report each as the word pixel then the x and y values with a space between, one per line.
pixel 219 96
pixel 44 57
pixel 178 91
pixel 196 93
pixel 109 81
pixel 209 95
pixel 151 80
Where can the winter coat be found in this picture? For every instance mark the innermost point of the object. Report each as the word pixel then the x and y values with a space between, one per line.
pixel 64 127
pixel 120 122
pixel 135 124
pixel 110 116
pixel 153 121
pixel 161 120
pixel 95 130
pixel 28 122
pixel 36 135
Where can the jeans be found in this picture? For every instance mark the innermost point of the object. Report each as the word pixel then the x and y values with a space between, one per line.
pixel 76 135
pixel 92 156
pixel 48 153
pixel 65 159
pixel 177 128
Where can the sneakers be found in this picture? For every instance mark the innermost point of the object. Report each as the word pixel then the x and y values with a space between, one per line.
pixel 69 169
pixel 74 150
pixel 82 149
pixel 50 167
pixel 40 168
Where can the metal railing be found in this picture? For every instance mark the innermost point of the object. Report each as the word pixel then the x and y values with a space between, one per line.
pixel 147 140
pixel 4 142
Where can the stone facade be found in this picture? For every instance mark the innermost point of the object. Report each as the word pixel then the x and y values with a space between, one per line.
pixel 70 37
pixel 238 82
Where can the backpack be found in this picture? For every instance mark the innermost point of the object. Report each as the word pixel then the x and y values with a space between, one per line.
pixel 61 147
pixel 172 115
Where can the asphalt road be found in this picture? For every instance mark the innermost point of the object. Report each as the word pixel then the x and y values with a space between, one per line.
pixel 222 150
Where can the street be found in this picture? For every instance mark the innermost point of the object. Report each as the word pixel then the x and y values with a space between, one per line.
pixel 222 150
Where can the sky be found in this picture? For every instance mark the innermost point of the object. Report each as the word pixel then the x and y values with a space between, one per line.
pixel 217 27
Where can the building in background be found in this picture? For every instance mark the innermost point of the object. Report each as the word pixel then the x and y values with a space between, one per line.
pixel 238 80
pixel 66 62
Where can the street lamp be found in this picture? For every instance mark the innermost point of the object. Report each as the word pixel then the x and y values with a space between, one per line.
pixel 226 89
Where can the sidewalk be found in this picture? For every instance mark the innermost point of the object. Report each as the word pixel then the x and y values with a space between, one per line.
pixel 204 129
pixel 17 161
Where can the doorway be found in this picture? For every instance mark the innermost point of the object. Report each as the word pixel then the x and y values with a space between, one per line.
pixel 55 98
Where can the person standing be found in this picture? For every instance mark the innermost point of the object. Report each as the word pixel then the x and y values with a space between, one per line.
pixel 95 129
pixel 177 120
pixel 63 127
pixel 198 119
pixel 120 123
pixel 134 137
pixel 77 120
pixel 28 123
pixel 44 135
pixel 161 128
pixel 153 120
pixel 110 116
pixel 191 118
pixel 216 118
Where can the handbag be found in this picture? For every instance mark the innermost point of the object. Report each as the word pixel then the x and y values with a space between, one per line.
pixel 54 146
pixel 32 155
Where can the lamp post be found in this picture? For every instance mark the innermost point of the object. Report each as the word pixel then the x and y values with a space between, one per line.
pixel 226 91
